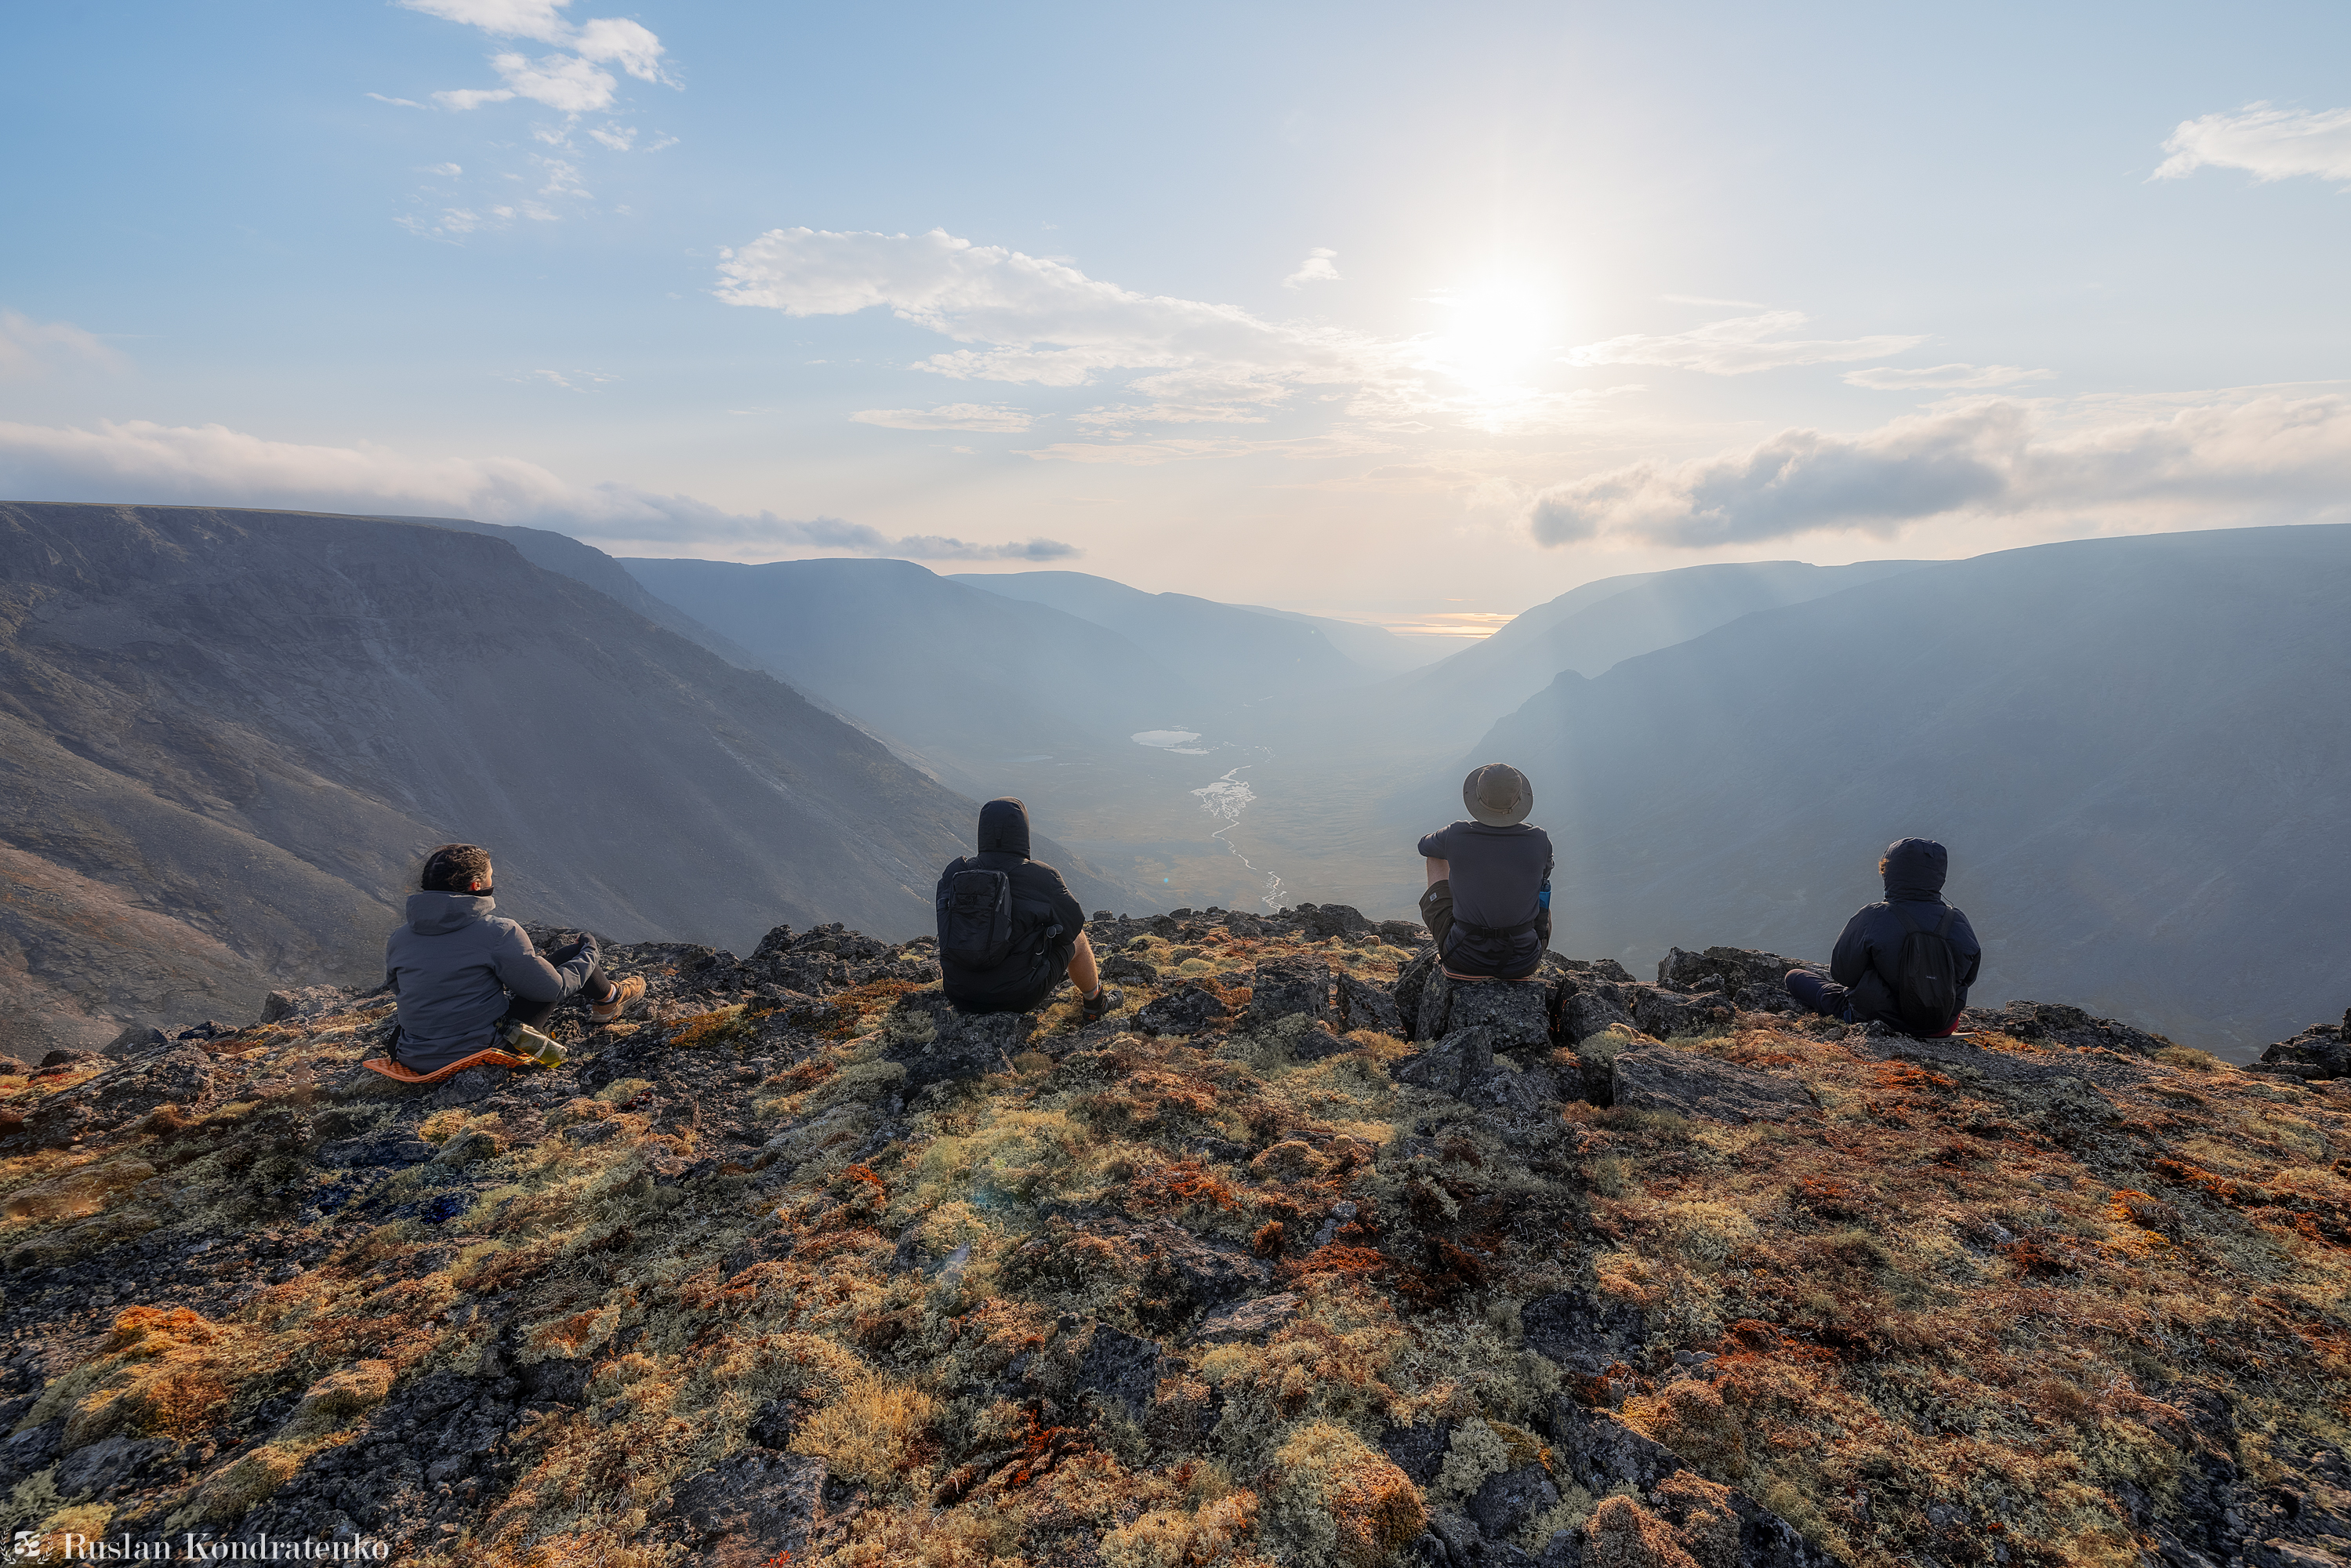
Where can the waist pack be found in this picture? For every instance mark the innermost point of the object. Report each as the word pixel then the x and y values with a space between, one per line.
pixel 1927 976
pixel 1471 948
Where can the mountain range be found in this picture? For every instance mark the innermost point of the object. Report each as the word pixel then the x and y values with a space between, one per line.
pixel 228 734
pixel 226 738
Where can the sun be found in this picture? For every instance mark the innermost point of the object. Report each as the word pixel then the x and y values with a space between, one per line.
pixel 1495 333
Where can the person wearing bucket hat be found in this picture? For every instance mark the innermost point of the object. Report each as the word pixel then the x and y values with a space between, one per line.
pixel 1489 898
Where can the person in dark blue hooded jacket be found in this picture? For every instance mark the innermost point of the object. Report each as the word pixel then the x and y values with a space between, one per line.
pixel 1048 935
pixel 1866 969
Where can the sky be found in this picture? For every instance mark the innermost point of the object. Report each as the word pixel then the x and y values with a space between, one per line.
pixel 1414 318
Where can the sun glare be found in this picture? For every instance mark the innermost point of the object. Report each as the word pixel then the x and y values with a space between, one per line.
pixel 1495 333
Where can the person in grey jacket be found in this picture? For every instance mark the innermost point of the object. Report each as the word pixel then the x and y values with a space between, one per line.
pixel 462 972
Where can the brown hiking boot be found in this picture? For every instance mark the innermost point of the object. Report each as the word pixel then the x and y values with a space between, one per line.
pixel 623 993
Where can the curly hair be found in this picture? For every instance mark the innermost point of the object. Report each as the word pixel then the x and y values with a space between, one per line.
pixel 449 868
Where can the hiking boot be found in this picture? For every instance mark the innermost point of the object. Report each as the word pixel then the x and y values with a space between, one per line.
pixel 1101 1004
pixel 623 993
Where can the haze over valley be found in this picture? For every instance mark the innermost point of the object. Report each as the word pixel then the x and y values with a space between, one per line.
pixel 231 734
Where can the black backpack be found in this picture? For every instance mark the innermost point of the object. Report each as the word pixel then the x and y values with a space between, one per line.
pixel 975 920
pixel 1927 976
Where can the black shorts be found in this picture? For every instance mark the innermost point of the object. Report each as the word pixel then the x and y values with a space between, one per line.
pixel 1523 958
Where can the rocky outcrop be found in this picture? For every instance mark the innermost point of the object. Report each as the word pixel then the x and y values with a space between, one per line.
pixel 801 1261
pixel 1692 1083
pixel 2321 1052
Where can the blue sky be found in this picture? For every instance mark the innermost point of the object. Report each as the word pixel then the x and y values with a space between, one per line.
pixel 1361 309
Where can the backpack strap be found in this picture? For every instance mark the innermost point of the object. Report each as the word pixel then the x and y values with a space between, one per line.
pixel 1950 914
pixel 1903 916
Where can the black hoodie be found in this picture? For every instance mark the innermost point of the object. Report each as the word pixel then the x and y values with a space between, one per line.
pixel 1040 902
pixel 1868 953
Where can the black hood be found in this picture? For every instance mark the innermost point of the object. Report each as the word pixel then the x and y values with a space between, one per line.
pixel 1004 828
pixel 1915 870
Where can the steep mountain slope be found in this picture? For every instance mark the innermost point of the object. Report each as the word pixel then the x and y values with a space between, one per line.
pixel 226 737
pixel 969 682
pixel 585 563
pixel 1241 656
pixel 2135 748
pixel 1601 624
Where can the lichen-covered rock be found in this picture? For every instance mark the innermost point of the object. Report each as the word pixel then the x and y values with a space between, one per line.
pixel 1583 1334
pixel 1190 1009
pixel 1363 1005
pixel 754 1508
pixel 1291 987
pixel 1692 1083
pixel 1516 1014
pixel 2053 1023
pixel 1666 1014
pixel 1725 969
pixel 1592 1008
pixel 1449 1065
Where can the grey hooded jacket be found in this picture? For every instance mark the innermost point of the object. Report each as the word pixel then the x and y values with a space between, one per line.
pixel 454 966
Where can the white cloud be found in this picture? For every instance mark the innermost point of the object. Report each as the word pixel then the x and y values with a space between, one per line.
pixel 1319 266
pixel 562 82
pixel 539 19
pixel 623 43
pixel 1944 378
pixel 137 461
pixel 568 82
pixel 451 226
pixel 399 102
pixel 1738 346
pixel 2269 143
pixel 447 170
pixel 1031 320
pixel 1152 454
pixel 984 417
pixel 618 138
pixel 2236 459
pixel 30 350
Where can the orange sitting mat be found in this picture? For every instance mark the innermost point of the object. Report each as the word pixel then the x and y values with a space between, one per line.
pixel 399 1075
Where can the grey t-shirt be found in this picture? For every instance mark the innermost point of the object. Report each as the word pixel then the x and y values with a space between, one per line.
pixel 1496 872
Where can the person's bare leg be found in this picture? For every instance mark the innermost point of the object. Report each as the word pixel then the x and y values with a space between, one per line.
pixel 1084 973
pixel 1437 869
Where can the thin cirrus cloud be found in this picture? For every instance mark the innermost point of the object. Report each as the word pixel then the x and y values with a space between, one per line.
pixel 1738 346
pixel 139 460
pixel 986 418
pixel 2269 143
pixel 1942 378
pixel 2266 456
pixel 1027 319
pixel 30 350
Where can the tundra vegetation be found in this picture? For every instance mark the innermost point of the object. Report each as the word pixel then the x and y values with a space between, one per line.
pixel 801 1267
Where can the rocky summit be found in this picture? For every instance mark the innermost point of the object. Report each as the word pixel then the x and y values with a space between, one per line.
pixel 1305 1255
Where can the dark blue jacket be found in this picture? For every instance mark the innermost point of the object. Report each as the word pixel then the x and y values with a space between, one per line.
pixel 1868 953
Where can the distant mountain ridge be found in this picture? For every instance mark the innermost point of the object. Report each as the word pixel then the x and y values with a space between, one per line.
pixel 227 737
pixel 2135 748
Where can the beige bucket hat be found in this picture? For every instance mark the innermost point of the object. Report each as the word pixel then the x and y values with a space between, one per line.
pixel 1498 795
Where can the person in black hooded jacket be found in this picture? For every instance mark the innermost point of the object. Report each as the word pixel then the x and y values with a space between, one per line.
pixel 1866 968
pixel 1048 927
